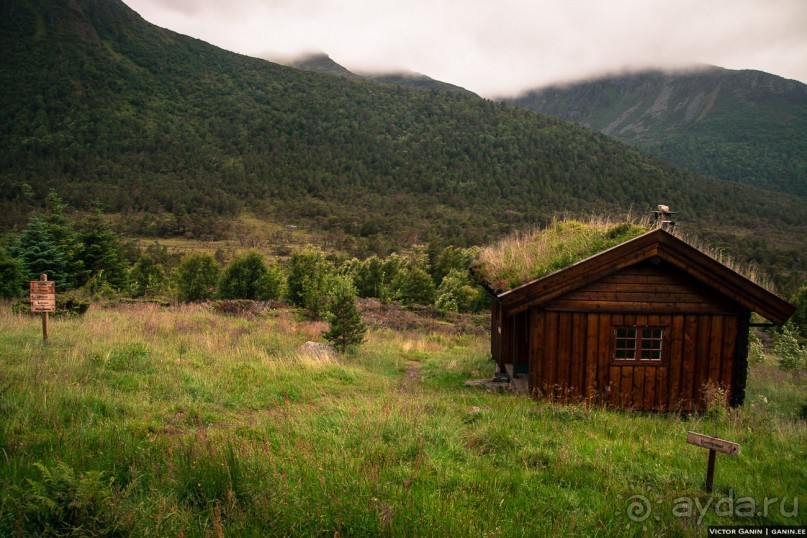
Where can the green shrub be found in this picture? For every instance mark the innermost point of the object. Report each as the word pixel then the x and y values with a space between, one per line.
pixel 367 275
pixel 458 294
pixel 310 282
pixel 272 284
pixel 248 277
pixel 453 259
pixel 790 354
pixel 755 350
pixel 197 278
pixel 147 278
pixel 412 285
pixel 799 319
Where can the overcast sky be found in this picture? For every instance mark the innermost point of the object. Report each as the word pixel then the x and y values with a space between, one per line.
pixel 501 47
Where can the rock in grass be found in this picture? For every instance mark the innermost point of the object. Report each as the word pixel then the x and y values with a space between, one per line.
pixel 315 350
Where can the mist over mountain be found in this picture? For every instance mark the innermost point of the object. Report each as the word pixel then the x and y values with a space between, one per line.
pixel 322 63
pixel 746 126
pixel 175 135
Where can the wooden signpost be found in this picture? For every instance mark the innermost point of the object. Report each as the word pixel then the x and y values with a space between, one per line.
pixel 43 300
pixel 714 445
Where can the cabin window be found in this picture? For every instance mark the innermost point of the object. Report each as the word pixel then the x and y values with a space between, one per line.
pixel 638 344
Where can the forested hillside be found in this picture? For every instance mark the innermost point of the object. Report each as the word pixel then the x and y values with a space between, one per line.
pixel 174 134
pixel 744 126
pixel 322 63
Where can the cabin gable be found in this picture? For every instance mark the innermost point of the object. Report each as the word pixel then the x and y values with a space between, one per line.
pixel 650 286
pixel 655 245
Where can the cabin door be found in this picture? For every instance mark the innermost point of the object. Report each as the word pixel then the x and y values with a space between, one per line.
pixel 521 344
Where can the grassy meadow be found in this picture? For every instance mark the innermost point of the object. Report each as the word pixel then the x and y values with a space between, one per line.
pixel 179 421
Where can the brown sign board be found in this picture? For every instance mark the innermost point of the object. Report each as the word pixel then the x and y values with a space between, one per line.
pixel 713 443
pixel 43 296
pixel 43 306
pixel 43 286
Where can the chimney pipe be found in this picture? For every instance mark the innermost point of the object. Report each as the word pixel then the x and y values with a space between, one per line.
pixel 663 218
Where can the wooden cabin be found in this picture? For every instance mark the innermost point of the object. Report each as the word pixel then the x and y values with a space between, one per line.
pixel 651 324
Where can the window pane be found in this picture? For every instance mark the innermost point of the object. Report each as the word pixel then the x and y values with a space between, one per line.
pixel 641 344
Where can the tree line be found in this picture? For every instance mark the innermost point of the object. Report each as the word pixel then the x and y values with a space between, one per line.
pixel 86 257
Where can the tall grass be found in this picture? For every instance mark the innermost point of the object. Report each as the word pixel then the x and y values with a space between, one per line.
pixel 179 421
pixel 526 256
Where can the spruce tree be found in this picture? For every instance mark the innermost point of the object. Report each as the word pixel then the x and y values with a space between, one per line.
pixel 41 254
pixel 61 231
pixel 346 325
pixel 101 250
pixel 11 276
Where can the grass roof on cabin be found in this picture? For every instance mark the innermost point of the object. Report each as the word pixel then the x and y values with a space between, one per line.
pixel 523 257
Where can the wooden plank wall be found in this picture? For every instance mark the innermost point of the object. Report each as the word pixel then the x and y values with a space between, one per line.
pixel 645 288
pixel 496 331
pixel 571 359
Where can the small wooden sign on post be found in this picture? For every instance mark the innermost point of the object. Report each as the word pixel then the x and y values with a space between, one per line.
pixel 43 300
pixel 714 445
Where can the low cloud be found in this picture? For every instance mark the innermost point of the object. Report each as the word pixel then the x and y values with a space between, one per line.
pixel 507 46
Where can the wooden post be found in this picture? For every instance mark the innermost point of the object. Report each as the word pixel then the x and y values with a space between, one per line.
pixel 710 470
pixel 44 278
pixel 43 300
pixel 714 445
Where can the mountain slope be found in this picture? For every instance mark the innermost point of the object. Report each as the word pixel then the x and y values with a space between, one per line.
pixel 174 133
pixel 418 81
pixel 746 126
pixel 322 63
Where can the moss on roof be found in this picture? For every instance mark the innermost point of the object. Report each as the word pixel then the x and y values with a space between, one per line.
pixel 523 257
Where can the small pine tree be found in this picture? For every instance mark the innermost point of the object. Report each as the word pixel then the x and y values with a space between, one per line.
pixel 100 250
pixel 40 253
pixel 346 325
pixel 61 231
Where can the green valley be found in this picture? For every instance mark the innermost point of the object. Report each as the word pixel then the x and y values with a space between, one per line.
pixel 174 135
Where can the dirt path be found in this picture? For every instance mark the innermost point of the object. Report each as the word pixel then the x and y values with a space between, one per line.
pixel 411 376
